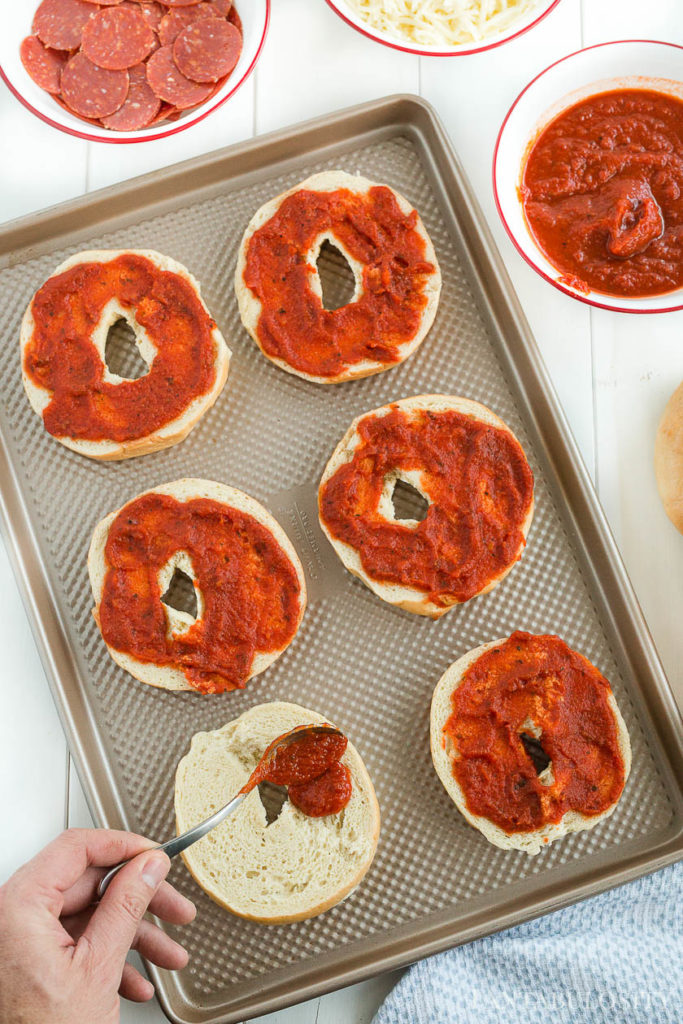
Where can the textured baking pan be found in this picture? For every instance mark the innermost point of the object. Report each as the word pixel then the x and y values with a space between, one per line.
pixel 368 667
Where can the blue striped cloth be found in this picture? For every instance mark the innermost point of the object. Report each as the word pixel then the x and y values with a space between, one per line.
pixel 615 959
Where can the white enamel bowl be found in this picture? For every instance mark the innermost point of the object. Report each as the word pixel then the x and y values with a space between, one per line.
pixel 519 26
pixel 626 64
pixel 17 18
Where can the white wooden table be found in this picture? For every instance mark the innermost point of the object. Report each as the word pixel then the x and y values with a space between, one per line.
pixel 613 372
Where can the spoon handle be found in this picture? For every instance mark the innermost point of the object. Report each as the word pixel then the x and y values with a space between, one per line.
pixel 179 843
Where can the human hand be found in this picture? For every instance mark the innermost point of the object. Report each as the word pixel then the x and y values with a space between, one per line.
pixel 63 959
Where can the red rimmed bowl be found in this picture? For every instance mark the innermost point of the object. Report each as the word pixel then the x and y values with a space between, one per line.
pixel 521 24
pixel 627 64
pixel 254 15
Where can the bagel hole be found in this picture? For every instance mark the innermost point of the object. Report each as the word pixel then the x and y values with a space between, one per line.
pixel 535 751
pixel 273 799
pixel 337 279
pixel 408 502
pixel 181 594
pixel 121 353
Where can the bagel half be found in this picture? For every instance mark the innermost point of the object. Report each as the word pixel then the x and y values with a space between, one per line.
pixel 669 458
pixel 408 598
pixel 250 305
pixel 296 866
pixel 173 431
pixel 163 676
pixel 530 842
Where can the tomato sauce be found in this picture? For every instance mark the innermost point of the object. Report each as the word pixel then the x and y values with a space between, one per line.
pixel 250 589
pixel 311 769
pixel 602 193
pixel 62 358
pixel 478 482
pixel 526 684
pixel 328 794
pixel 293 324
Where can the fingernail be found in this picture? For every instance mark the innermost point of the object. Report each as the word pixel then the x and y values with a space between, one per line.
pixel 155 869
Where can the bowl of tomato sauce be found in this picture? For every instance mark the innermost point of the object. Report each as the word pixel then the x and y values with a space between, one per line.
pixel 588 175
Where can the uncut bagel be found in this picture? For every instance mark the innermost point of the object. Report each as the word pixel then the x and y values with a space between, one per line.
pixel 408 598
pixel 172 432
pixel 250 306
pixel 669 458
pixel 297 866
pixel 529 842
pixel 164 676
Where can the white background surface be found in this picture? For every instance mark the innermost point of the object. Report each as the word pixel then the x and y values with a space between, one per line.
pixel 613 372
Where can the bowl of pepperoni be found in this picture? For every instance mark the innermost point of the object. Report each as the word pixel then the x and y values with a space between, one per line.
pixel 129 70
pixel 588 175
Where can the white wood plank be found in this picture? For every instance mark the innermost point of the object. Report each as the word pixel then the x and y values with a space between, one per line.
pixel 40 165
pixel 34 756
pixel 313 63
pixel 472 95
pixel 638 363
pixel 631 19
pixel 77 813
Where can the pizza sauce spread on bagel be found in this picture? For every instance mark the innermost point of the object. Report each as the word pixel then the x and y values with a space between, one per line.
pixel 534 688
pixel 293 324
pixel 480 491
pixel 62 358
pixel 602 193
pixel 250 589
pixel 311 769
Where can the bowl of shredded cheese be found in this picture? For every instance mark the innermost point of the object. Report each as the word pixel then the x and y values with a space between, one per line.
pixel 442 28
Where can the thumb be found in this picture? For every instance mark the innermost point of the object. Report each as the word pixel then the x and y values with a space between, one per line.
pixel 112 928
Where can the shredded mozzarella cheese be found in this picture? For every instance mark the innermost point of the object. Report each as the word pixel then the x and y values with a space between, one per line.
pixel 441 22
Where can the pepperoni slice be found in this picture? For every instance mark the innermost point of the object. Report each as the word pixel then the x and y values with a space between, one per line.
pixel 170 84
pixel 90 90
pixel 180 3
pixel 117 38
pixel 176 20
pixel 214 89
pixel 64 106
pixel 152 12
pixel 207 49
pixel 104 3
pixel 141 105
pixel 222 7
pixel 165 110
pixel 218 86
pixel 42 64
pixel 172 24
pixel 60 23
pixel 234 19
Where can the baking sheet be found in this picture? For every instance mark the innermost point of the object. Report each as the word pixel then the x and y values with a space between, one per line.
pixel 367 666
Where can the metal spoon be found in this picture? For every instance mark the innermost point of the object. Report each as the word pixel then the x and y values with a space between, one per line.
pixel 180 843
